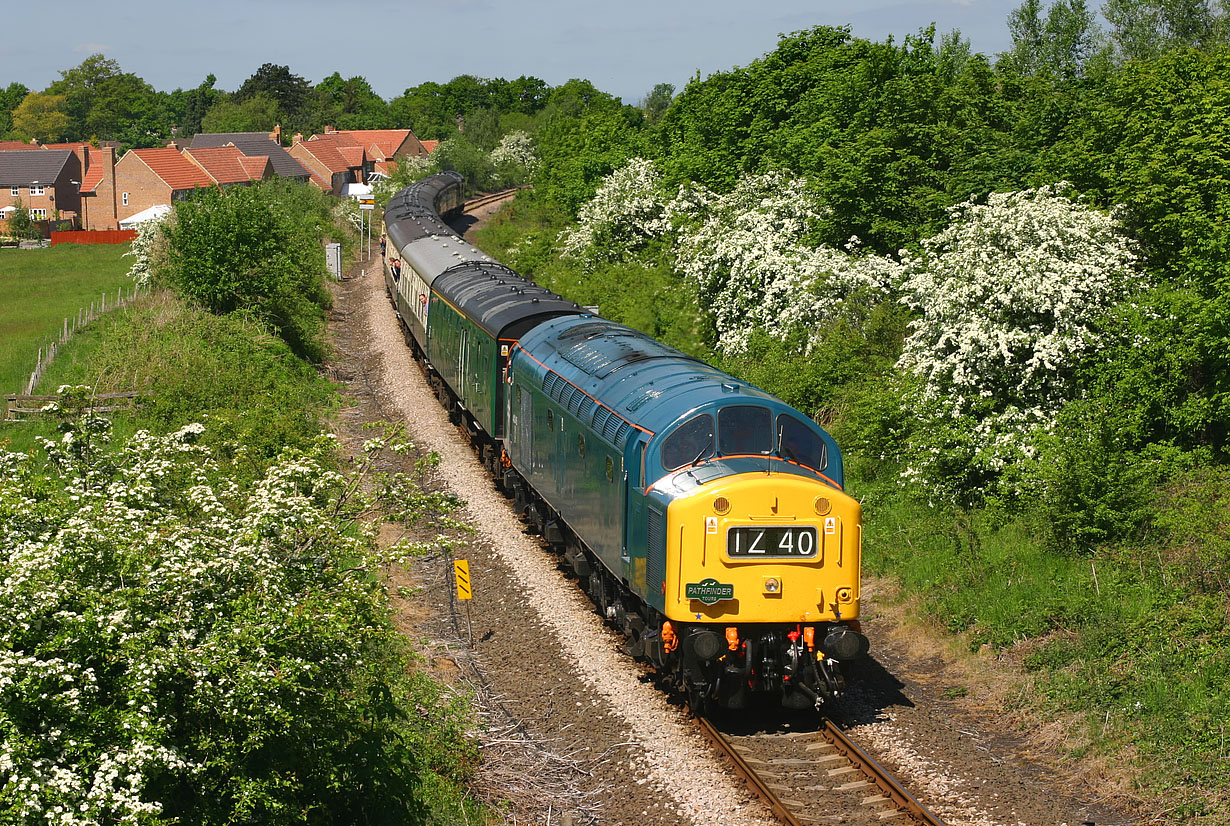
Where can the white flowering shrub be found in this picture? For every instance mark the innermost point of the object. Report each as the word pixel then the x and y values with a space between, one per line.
pixel 147 249
pixel 515 158
pixel 629 208
pixel 176 648
pixel 747 255
pixel 1007 298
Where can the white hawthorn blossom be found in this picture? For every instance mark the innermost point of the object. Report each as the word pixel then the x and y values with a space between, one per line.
pixel 516 151
pixel 746 253
pixel 158 620
pixel 629 208
pixel 1008 297
pixel 145 249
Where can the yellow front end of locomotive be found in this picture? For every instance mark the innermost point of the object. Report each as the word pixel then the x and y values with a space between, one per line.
pixel 759 547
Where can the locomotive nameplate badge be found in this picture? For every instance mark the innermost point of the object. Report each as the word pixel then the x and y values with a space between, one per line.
pixel 709 591
pixel 830 525
pixel 710 524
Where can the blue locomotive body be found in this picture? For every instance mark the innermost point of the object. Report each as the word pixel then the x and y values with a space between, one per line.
pixel 706 516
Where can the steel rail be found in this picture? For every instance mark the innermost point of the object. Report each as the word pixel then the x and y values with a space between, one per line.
pixel 872 770
pixel 483 200
pixel 748 774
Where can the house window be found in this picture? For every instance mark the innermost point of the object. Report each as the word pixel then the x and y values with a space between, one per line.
pixel 38 214
pixel 124 198
pixel 37 189
pixel 15 191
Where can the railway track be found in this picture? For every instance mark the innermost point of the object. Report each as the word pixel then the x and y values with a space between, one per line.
pixel 494 197
pixel 817 775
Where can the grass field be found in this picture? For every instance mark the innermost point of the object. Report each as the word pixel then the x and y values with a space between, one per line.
pixel 40 288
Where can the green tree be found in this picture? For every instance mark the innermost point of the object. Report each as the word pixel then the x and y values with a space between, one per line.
pixel 41 117
pixel 10 97
pixel 102 100
pixel 197 103
pixel 655 104
pixel 255 249
pixel 291 93
pixel 256 114
pixel 348 104
pixel 1142 29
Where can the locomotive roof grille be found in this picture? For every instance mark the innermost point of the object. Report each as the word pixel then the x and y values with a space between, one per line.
pixel 601 419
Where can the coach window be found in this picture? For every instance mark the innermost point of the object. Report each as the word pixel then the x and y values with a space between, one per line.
pixel 691 442
pixel 610 469
pixel 550 420
pixel 797 442
pixel 581 445
pixel 744 429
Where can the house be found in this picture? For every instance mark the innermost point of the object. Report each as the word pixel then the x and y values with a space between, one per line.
pixel 228 167
pixel 255 144
pixel 9 146
pixel 430 146
pixel 379 144
pixel 144 177
pixel 332 164
pixel 47 183
pixel 98 198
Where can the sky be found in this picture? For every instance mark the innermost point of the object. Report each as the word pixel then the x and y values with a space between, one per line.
pixel 623 48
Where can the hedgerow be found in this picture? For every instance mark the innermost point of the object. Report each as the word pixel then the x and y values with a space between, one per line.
pixel 177 646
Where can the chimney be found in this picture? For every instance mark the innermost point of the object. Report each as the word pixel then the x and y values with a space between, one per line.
pixel 329 129
pixel 276 134
pixel 298 138
pixel 173 145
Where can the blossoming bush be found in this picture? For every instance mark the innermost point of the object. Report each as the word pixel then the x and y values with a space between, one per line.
pixel 515 158
pixel 747 253
pixel 178 648
pixel 629 209
pixel 1008 298
pixel 744 252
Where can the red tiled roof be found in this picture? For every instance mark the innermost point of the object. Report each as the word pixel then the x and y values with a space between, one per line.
pixel 327 152
pixel 384 167
pixel 256 166
pixel 430 146
pixel 222 163
pixel 77 145
pixel 354 155
pixel 387 140
pixel 6 146
pixel 176 170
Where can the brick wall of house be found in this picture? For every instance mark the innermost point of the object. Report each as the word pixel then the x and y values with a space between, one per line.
pixel 143 188
pixel 99 208
pixel 299 153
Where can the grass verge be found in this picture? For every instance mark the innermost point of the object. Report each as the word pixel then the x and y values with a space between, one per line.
pixel 42 287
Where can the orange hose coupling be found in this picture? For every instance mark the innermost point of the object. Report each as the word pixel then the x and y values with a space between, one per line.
pixel 732 638
pixel 669 641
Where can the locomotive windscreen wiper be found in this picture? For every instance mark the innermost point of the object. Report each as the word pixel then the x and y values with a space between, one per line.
pixel 703 451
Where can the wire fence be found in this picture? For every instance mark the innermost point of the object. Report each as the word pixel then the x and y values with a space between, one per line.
pixel 70 326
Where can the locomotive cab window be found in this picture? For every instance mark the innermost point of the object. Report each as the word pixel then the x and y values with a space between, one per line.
pixel 797 442
pixel 744 429
pixel 691 442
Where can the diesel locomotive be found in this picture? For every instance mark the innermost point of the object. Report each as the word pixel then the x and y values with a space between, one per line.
pixel 705 517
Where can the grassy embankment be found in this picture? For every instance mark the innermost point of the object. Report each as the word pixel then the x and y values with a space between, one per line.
pixel 1124 651
pixel 255 398
pixel 40 288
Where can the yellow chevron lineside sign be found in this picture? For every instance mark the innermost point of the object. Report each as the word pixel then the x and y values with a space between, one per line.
pixel 461 571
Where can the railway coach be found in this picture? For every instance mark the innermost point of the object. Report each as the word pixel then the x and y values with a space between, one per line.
pixel 705 516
